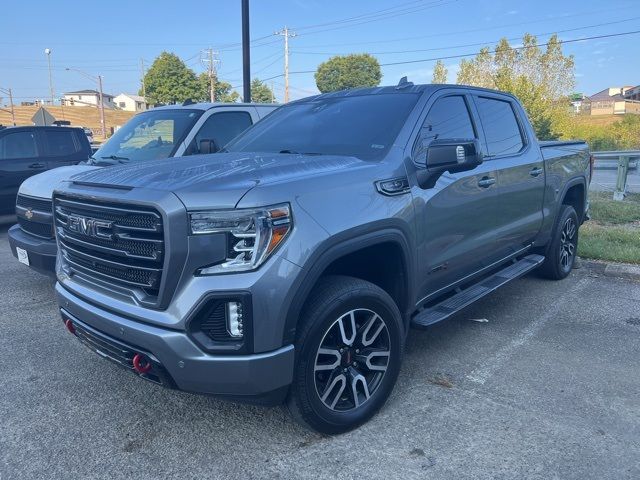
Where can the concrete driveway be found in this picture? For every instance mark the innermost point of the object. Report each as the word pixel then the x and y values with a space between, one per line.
pixel 548 387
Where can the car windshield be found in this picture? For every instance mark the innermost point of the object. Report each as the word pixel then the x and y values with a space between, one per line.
pixel 148 136
pixel 363 126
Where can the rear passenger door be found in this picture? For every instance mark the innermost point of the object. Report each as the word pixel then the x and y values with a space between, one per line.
pixel 520 172
pixel 61 147
pixel 19 159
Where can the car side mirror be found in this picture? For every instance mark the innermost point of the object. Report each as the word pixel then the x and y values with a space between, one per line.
pixel 450 155
pixel 208 146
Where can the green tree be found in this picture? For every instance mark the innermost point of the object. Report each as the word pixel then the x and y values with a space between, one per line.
pixel 223 90
pixel 169 80
pixel 260 92
pixel 348 71
pixel 541 79
pixel 440 73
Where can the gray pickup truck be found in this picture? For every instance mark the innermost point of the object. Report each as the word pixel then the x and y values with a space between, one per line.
pixel 291 266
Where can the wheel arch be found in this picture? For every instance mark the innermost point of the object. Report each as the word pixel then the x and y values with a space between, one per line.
pixel 344 246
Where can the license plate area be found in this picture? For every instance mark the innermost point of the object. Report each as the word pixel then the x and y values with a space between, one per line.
pixel 23 255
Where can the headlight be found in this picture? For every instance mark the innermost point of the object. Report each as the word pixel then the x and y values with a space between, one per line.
pixel 252 235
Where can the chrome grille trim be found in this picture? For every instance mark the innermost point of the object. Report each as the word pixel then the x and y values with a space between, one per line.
pixel 127 252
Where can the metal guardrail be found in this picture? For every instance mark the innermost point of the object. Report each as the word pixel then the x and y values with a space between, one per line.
pixel 610 159
pixel 623 160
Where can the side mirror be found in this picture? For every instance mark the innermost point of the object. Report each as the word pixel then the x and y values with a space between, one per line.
pixel 208 146
pixel 449 155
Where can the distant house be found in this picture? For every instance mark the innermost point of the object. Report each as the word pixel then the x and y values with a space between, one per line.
pixel 130 103
pixel 614 101
pixel 632 93
pixel 84 98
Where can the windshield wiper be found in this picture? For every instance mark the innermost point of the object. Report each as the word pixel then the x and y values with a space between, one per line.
pixel 116 158
pixel 293 152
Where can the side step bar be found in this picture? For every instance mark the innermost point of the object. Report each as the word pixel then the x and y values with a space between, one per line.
pixel 465 297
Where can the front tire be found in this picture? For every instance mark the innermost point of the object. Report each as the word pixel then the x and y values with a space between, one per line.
pixel 561 254
pixel 348 355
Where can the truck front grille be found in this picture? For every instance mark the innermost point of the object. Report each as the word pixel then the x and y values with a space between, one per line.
pixel 39 204
pixel 44 230
pixel 122 245
pixel 40 224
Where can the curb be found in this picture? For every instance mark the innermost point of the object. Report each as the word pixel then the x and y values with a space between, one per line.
pixel 617 270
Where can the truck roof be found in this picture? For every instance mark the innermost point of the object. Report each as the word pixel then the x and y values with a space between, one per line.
pixel 209 105
pixel 397 89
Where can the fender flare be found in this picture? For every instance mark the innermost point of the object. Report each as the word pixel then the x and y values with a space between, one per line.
pixel 580 180
pixel 342 244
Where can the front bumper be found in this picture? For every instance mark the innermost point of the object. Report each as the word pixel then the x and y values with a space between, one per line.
pixel 262 377
pixel 42 252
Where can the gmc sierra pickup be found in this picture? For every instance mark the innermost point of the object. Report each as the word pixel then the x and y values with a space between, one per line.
pixel 170 131
pixel 291 266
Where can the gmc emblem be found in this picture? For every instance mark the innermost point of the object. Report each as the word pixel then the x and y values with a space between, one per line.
pixel 90 227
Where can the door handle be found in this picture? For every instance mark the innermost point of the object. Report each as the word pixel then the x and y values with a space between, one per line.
pixel 37 165
pixel 535 172
pixel 486 182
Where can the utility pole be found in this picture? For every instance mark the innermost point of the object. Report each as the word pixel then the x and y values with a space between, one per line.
pixel 104 130
pixel 144 93
pixel 211 61
pixel 246 53
pixel 98 80
pixel 286 33
pixel 8 92
pixel 47 52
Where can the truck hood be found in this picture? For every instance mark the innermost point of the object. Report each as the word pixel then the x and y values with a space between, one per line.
pixel 218 180
pixel 43 184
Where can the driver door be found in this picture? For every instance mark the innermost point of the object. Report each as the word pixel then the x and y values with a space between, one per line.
pixel 456 219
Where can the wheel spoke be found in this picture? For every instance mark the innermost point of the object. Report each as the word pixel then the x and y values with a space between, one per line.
pixel 348 339
pixel 358 379
pixel 372 329
pixel 337 387
pixel 327 352
pixel 377 367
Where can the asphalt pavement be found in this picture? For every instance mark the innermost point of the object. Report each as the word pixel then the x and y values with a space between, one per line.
pixel 539 380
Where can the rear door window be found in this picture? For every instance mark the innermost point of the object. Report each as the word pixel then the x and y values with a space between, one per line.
pixel 500 126
pixel 222 127
pixel 60 143
pixel 18 145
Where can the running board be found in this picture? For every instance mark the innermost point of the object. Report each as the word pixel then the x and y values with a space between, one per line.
pixel 465 297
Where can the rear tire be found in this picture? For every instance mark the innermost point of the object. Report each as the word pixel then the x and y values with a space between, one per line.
pixel 561 254
pixel 348 354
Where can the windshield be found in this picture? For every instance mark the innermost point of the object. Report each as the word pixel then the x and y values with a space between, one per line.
pixel 363 126
pixel 148 136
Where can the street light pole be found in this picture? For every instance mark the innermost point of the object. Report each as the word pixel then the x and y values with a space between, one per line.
pixel 47 51
pixel 246 61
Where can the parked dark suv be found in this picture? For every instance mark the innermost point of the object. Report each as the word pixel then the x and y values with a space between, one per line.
pixel 26 151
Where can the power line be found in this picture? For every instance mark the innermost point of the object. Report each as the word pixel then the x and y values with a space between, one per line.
pixel 374 14
pixel 451 47
pixel 384 17
pixel 458 32
pixel 464 55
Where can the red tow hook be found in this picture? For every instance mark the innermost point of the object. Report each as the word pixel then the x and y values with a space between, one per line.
pixel 69 324
pixel 141 364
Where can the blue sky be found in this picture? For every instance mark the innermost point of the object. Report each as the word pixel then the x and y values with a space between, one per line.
pixel 110 38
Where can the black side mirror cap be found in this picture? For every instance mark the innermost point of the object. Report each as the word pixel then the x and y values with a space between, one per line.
pixel 208 146
pixel 452 155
